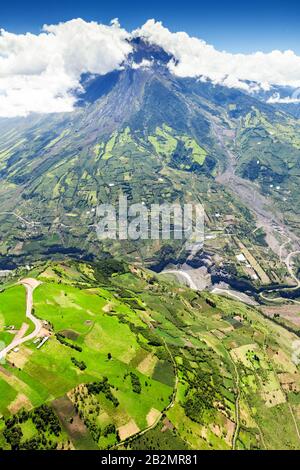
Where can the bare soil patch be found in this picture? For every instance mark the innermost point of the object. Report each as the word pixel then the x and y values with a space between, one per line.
pixel 20 358
pixel 128 430
pixel 230 428
pixel 5 372
pixel 167 425
pixel 147 365
pixel 274 397
pixel 74 426
pixel 288 312
pixel 31 282
pixel 21 332
pixel 21 401
pixel 107 308
pixel 153 416
pixel 70 334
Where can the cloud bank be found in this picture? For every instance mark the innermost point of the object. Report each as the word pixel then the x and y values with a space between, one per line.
pixel 277 99
pixel 39 72
pixel 195 57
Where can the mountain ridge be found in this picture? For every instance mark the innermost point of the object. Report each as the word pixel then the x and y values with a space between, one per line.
pixel 151 122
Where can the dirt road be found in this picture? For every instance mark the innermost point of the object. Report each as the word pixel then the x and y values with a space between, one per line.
pixel 290 269
pixel 30 285
pixel 24 221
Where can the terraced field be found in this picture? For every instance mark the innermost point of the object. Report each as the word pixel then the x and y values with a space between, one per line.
pixel 205 371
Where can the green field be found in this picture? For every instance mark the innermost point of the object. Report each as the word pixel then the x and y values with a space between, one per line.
pixel 13 313
pixel 12 307
pixel 109 368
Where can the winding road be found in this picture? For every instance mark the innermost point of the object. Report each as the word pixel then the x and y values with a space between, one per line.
pixel 24 221
pixel 287 261
pixel 290 269
pixel 183 274
pixel 179 273
pixel 30 285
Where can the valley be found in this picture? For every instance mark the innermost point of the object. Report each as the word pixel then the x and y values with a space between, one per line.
pixel 111 345
pixel 150 343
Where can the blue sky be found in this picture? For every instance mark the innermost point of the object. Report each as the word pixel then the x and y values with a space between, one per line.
pixel 231 25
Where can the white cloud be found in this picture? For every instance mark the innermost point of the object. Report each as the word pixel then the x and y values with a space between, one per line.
pixel 145 64
pixel 195 57
pixel 276 98
pixel 38 72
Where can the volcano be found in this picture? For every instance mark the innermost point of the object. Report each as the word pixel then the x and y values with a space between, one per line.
pixel 143 132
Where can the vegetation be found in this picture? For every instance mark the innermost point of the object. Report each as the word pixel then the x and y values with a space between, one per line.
pixel 80 364
pixel 103 387
pixel 45 428
pixel 62 340
pixel 203 354
pixel 133 359
pixel 135 382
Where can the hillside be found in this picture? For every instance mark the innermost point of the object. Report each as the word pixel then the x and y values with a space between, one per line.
pixel 206 371
pixel 155 137
pixel 151 344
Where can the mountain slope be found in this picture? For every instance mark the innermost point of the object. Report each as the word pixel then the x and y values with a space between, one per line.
pixel 156 137
pixel 207 372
